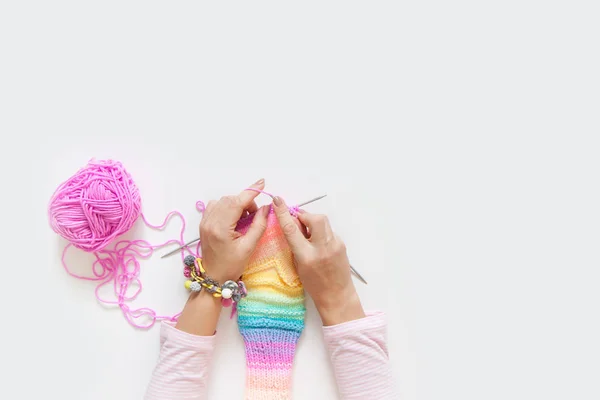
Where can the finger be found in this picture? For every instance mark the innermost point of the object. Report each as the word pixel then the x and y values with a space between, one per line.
pixel 228 211
pixel 246 197
pixel 210 206
pixel 257 228
pixel 318 225
pixel 231 208
pixel 292 233
pixel 302 228
pixel 252 208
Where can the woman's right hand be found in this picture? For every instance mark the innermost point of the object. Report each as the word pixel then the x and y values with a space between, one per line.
pixel 322 264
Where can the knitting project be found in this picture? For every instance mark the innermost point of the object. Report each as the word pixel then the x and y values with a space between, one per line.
pixel 271 317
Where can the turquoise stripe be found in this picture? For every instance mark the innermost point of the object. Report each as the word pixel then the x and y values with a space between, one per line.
pixel 258 314
pixel 271 323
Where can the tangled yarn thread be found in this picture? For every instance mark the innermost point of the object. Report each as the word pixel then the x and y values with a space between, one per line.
pixel 92 208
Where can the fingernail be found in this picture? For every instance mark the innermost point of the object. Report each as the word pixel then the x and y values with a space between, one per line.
pixel 277 200
pixel 260 181
pixel 265 210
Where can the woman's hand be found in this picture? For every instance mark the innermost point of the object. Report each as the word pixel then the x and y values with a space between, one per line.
pixel 322 264
pixel 225 252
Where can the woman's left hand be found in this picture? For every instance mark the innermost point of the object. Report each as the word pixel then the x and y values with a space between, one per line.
pixel 225 252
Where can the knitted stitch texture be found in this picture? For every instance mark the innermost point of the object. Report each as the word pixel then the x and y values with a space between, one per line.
pixel 271 317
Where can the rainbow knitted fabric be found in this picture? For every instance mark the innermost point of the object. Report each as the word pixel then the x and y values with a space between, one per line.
pixel 271 317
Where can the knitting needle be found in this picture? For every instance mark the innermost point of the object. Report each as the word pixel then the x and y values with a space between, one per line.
pixel 311 201
pixel 359 276
pixel 354 271
pixel 179 248
pixel 195 240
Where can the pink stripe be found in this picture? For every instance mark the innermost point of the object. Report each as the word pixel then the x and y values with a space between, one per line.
pixel 273 367
pixel 269 358
pixel 280 345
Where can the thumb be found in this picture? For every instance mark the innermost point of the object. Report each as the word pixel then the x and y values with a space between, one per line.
pixel 290 228
pixel 257 228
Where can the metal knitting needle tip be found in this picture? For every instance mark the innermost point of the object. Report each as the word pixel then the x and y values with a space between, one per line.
pixel 359 276
pixel 311 201
pixel 179 248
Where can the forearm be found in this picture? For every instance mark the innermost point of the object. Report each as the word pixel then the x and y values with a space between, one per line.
pixel 337 308
pixel 186 352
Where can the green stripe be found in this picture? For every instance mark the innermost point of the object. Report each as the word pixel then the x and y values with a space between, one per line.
pixel 254 307
pixel 270 298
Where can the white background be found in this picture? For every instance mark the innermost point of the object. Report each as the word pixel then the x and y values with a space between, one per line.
pixel 458 143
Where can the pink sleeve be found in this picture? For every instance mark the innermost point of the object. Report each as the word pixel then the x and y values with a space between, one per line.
pixel 183 363
pixel 359 354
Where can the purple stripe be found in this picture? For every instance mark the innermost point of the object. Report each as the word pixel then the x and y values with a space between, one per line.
pixel 284 345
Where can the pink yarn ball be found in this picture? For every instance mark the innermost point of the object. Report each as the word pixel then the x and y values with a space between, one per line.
pixel 97 204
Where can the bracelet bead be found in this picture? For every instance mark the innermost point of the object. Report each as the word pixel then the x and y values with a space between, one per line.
pixel 230 292
pixel 230 285
pixel 195 286
pixel 189 260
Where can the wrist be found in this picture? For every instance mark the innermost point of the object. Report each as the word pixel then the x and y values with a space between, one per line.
pixel 223 277
pixel 340 307
pixel 221 273
pixel 200 314
pixel 204 298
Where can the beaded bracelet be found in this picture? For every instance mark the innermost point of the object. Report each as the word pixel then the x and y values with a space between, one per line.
pixel 230 292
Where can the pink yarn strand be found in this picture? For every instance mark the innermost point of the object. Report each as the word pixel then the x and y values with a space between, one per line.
pixel 261 191
pixel 120 266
